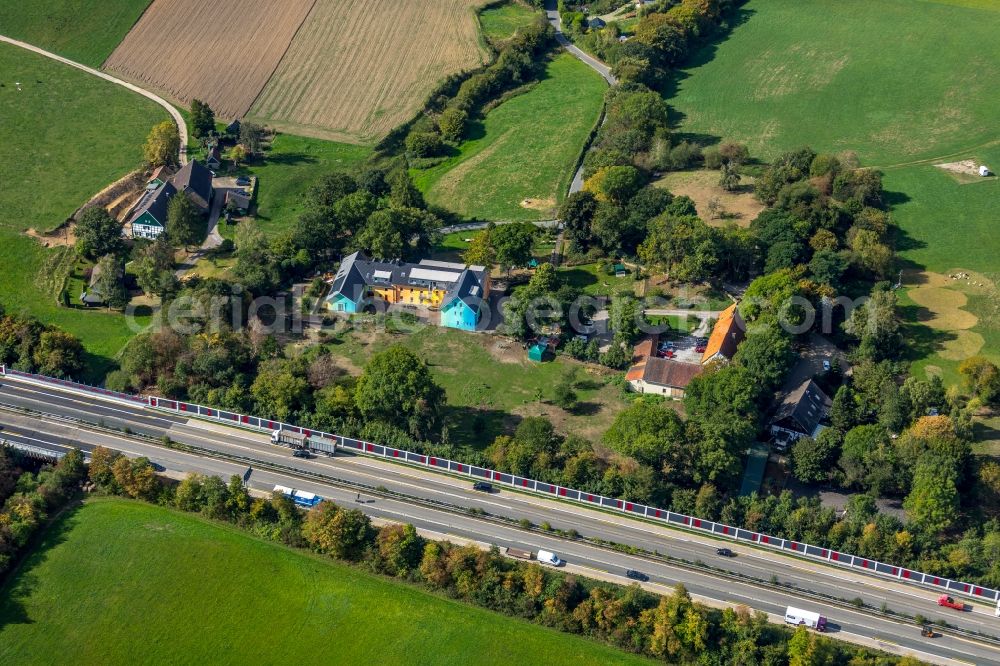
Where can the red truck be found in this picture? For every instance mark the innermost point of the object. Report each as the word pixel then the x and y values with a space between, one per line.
pixel 945 600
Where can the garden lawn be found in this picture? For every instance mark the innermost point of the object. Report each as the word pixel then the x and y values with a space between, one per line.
pixel 839 75
pixel 290 167
pixel 488 388
pixel 82 30
pixel 65 135
pixel 120 582
pixel 500 22
pixel 592 280
pixel 519 161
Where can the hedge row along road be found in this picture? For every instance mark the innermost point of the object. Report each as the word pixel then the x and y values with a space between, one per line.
pixel 174 113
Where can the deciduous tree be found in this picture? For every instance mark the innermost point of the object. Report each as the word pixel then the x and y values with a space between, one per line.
pixel 98 234
pixel 162 145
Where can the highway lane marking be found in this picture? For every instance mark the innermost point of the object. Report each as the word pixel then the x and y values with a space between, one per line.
pixel 476 528
pixel 797 571
pixel 194 424
pixel 76 398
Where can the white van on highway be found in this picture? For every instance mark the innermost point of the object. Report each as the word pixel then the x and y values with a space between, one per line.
pixel 812 620
pixel 546 557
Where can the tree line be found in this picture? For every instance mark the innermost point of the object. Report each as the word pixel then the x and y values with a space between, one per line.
pixel 672 628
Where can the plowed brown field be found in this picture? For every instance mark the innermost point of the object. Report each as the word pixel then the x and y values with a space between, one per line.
pixel 219 51
pixel 358 68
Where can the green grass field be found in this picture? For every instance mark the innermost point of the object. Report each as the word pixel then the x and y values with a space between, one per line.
pixel 526 148
pixel 841 76
pixel 290 167
pixel 591 280
pixel 119 582
pixel 65 135
pixel 500 22
pixel 473 367
pixel 81 30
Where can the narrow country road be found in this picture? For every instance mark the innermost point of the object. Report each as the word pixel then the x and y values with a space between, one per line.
pixel 174 113
pixel 553 16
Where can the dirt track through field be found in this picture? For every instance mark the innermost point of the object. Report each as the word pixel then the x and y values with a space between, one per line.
pixel 222 52
pixel 358 68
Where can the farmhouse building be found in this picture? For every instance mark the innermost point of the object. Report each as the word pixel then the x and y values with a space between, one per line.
pixel 195 181
pixel 800 413
pixel 457 291
pixel 662 376
pixel 727 334
pixel 149 218
pixel 659 376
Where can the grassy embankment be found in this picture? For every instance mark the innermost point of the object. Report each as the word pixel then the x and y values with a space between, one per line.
pixel 518 162
pixel 823 74
pixel 119 582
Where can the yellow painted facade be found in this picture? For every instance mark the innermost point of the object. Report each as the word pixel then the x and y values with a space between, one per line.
pixel 410 295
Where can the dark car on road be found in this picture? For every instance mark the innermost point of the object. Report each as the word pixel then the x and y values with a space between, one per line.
pixel 724 552
pixel 301 453
pixel 482 486
pixel 636 575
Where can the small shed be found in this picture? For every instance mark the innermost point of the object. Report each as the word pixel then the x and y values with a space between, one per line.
pixel 984 170
pixel 596 23
pixel 537 352
pixel 619 270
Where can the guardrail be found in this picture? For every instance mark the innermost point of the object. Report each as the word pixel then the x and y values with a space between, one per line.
pixel 656 514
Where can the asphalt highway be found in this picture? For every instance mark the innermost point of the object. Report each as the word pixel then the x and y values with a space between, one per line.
pixel 425 485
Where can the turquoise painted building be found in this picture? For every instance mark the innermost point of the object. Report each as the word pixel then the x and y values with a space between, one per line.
pixel 457 291
pixel 341 303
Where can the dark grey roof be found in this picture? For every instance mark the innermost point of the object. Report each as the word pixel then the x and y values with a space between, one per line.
pixel 233 127
pixel 155 202
pixel 803 408
pixel 468 288
pixel 194 177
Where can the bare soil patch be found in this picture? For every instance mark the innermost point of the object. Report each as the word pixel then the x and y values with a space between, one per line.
pixel 965 171
pixel 702 186
pixel 539 204
pixel 358 68
pixel 61 236
pixel 222 52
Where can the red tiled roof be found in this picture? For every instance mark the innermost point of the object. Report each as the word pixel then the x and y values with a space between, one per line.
pixel 667 372
pixel 727 334
pixel 645 348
